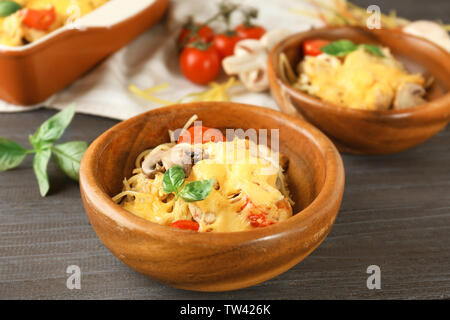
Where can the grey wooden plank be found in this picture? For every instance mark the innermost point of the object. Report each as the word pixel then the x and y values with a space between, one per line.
pixel 412 9
pixel 395 213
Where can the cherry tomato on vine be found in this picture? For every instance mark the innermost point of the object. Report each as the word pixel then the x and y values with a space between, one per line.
pixel 225 44
pixel 200 63
pixel 313 47
pixel 38 19
pixel 186 225
pixel 205 34
pixel 207 135
pixel 250 31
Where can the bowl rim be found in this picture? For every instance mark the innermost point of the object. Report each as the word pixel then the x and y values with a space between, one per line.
pixel 332 188
pixel 413 112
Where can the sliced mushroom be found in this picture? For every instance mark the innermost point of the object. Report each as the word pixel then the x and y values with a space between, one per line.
pixel 257 80
pixel 183 154
pixel 152 163
pixel 248 55
pixel 248 46
pixel 249 63
pixel 409 95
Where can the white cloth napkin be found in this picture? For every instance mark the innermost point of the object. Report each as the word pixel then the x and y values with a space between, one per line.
pixel 152 59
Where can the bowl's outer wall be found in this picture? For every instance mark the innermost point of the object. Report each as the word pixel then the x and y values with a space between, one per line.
pixel 212 262
pixel 31 76
pixel 370 132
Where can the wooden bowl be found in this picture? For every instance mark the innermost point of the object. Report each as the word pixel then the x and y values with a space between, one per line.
pixel 213 261
pixel 363 131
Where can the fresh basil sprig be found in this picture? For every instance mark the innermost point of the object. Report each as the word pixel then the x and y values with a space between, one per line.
pixel 40 163
pixel 341 48
pixel 193 191
pixel 11 154
pixel 173 179
pixel 68 155
pixel 196 190
pixel 373 49
pixel 8 7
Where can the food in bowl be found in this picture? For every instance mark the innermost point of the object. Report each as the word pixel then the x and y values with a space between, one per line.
pixel 364 76
pixel 213 261
pixel 208 184
pixel 25 21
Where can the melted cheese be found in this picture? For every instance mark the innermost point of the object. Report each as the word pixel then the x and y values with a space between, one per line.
pixel 68 10
pixel 245 185
pixel 362 81
pixel 12 31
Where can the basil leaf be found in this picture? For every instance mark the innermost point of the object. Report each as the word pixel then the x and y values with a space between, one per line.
pixel 68 156
pixel 373 49
pixel 52 129
pixel 8 8
pixel 11 154
pixel 196 190
pixel 339 48
pixel 173 179
pixel 40 163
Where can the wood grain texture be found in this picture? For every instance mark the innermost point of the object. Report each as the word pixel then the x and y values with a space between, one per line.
pixel 395 213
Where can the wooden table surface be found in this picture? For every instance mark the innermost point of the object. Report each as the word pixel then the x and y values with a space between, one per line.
pixel 395 214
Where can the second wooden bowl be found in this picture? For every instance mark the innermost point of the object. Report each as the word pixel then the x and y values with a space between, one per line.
pixel 213 261
pixel 362 131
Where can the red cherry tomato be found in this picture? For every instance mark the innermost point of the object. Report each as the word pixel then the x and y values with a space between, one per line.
pixel 207 135
pixel 250 32
pixel 312 47
pixel 259 220
pixel 200 65
pixel 186 225
pixel 205 34
pixel 225 44
pixel 38 19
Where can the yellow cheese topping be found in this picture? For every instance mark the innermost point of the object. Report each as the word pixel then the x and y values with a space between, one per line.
pixel 13 32
pixel 245 189
pixel 67 9
pixel 362 81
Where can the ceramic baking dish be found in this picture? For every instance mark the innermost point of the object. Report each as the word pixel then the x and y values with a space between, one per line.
pixel 30 74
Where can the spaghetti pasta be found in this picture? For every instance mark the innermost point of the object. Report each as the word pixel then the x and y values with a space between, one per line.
pixel 249 192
